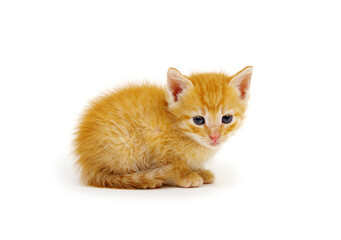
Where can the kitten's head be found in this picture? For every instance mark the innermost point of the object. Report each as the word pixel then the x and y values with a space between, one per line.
pixel 208 107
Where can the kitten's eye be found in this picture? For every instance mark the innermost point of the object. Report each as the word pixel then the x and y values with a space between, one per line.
pixel 227 119
pixel 199 120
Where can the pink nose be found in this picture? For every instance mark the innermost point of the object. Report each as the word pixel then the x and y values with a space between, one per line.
pixel 215 137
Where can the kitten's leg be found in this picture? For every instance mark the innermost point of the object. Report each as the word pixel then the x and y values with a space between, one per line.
pixel 180 174
pixel 206 175
pixel 191 180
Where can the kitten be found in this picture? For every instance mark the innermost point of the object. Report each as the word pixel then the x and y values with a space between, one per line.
pixel 145 136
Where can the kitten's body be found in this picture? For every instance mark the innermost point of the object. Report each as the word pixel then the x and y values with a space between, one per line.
pixel 143 137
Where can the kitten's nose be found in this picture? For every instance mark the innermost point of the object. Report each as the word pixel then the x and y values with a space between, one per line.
pixel 215 136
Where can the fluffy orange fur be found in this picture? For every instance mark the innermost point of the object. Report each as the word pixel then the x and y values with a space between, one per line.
pixel 144 136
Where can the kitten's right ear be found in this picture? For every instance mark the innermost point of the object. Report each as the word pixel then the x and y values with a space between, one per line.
pixel 176 84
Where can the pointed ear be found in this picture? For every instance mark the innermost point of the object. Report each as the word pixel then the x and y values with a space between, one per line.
pixel 176 84
pixel 241 81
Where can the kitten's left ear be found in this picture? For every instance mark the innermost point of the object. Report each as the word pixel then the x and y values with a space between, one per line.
pixel 241 81
pixel 177 84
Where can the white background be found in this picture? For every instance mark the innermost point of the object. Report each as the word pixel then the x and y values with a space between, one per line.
pixel 279 177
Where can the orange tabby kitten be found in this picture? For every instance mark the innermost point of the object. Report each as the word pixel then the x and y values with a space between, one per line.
pixel 144 136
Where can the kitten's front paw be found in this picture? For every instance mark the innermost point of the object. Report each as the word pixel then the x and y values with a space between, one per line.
pixel 152 184
pixel 207 175
pixel 191 180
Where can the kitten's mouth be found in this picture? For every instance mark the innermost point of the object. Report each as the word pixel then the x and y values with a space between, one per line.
pixel 214 143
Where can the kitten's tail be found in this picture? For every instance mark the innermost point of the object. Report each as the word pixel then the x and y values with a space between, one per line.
pixel 154 178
